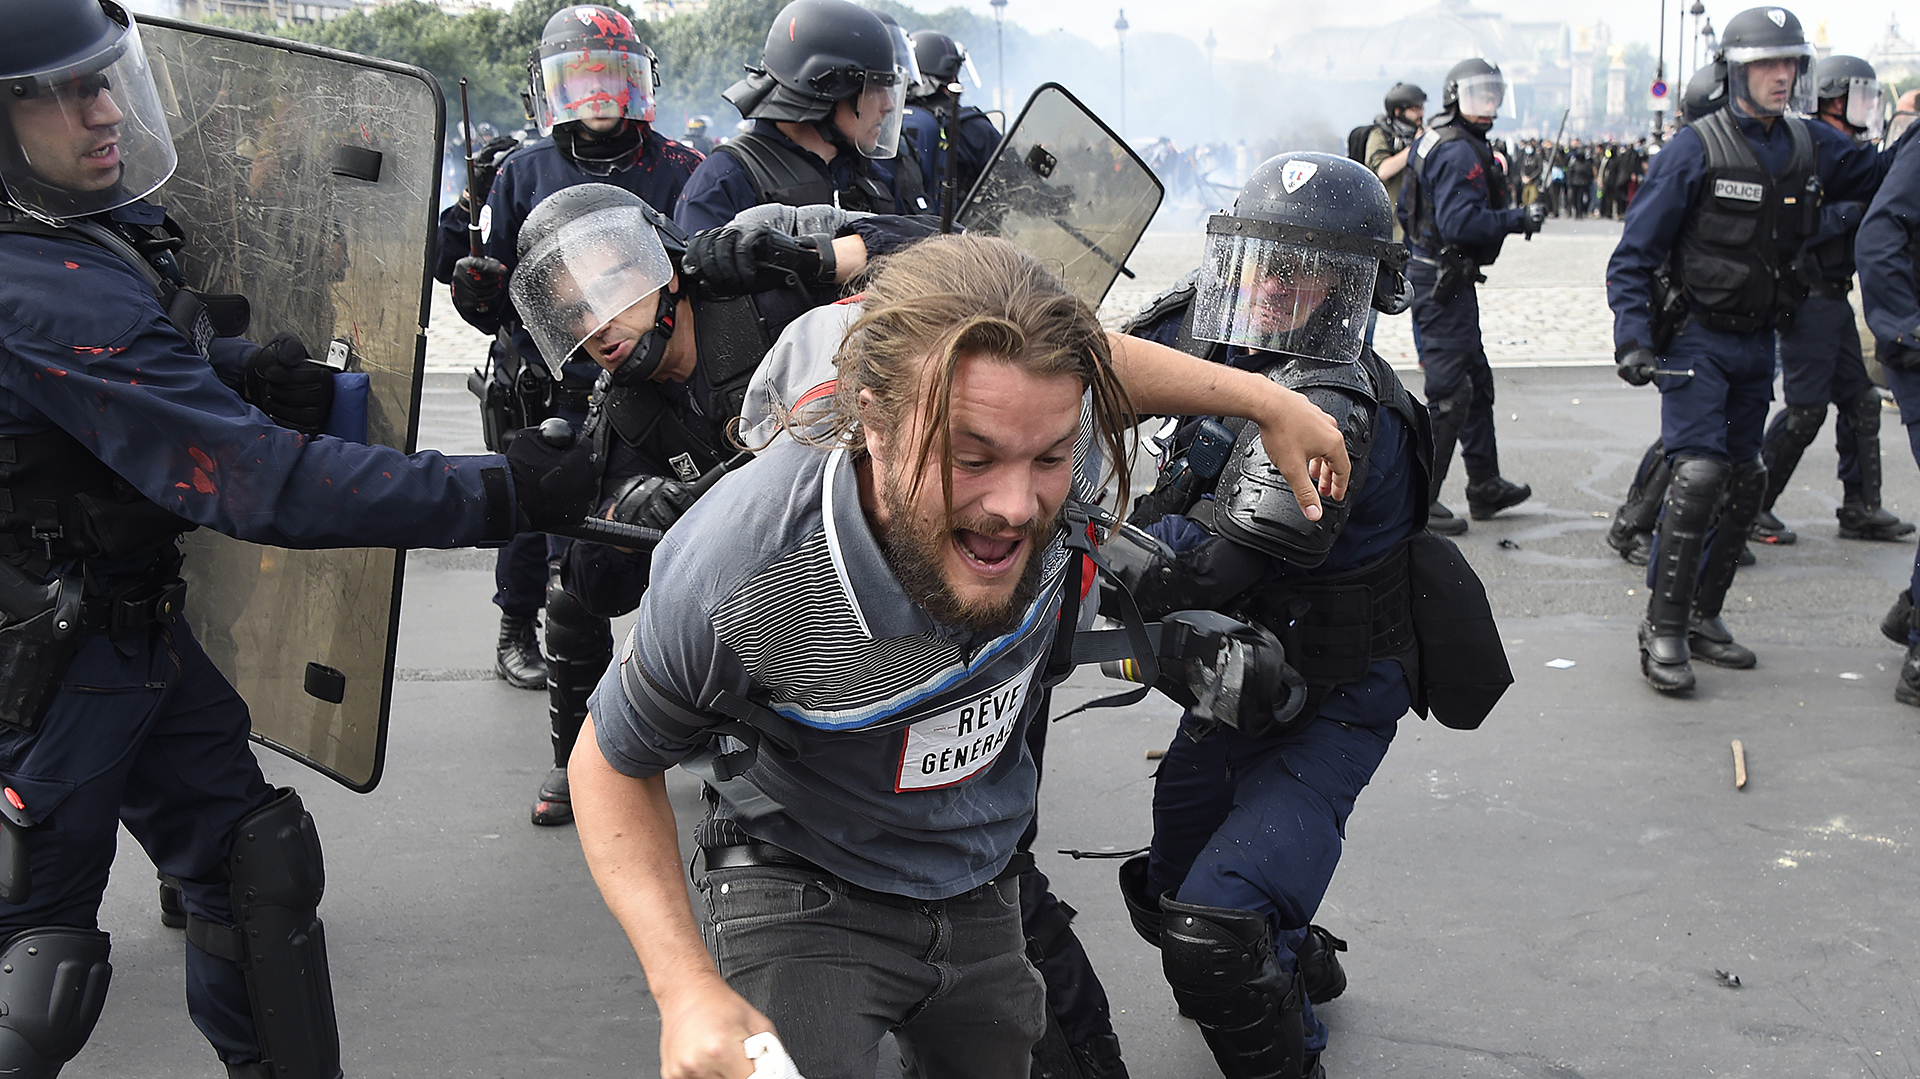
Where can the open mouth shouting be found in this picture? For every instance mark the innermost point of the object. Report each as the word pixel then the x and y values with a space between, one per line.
pixel 988 556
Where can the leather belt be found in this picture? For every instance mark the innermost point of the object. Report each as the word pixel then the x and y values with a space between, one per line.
pixel 766 855
pixel 145 604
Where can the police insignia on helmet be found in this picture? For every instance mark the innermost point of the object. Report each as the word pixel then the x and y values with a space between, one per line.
pixel 1778 16
pixel 1296 174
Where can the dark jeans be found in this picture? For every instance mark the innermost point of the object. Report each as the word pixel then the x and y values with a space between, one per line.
pixel 836 967
pixel 160 743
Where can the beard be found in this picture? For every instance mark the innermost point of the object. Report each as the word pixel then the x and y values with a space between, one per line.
pixel 915 547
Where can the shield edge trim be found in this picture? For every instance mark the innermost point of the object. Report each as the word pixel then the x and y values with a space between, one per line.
pixel 379 768
pixel 1102 124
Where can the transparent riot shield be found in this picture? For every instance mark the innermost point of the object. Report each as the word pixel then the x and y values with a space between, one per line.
pixel 1064 187
pixel 309 182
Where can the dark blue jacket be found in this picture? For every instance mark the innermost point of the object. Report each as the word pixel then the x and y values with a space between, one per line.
pixel 1847 171
pixel 85 348
pixel 1888 289
pixel 721 188
pixel 1454 183
pixel 975 140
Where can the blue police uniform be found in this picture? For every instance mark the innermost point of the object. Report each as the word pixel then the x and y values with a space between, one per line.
pixel 1885 248
pixel 1255 824
pixel 974 139
pixel 143 729
pixel 1466 206
pixel 722 186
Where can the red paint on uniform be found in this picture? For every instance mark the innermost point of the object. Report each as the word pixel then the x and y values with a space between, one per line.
pixel 606 23
pixel 182 486
pixel 388 475
pixel 202 482
pixel 1475 172
pixel 57 371
pixel 14 799
pixel 70 266
pixel 201 459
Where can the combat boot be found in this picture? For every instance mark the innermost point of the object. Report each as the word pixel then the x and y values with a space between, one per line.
pixel 1863 522
pixel 1490 496
pixel 554 805
pixel 1907 690
pixel 517 657
pixel 1632 544
pixel 1442 522
pixel 1709 641
pixel 1768 529
pixel 1318 960
pixel 1899 618
pixel 1663 659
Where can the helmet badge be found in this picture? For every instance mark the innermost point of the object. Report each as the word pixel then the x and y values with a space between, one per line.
pixel 1777 16
pixel 1296 174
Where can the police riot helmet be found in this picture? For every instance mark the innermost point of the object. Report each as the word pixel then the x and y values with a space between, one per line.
pixel 1765 36
pixel 941 60
pixel 904 58
pixel 1852 79
pixel 586 253
pixel 818 54
pixel 590 65
pixel 1474 87
pixel 1307 248
pixel 697 126
pixel 1706 91
pixel 81 126
pixel 1405 95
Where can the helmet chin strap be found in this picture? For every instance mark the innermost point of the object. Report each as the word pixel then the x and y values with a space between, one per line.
pixel 644 360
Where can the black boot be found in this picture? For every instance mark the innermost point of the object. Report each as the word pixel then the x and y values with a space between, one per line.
pixel 1861 515
pixel 1899 618
pixel 1907 690
pixel 1865 521
pixel 1769 529
pixel 1493 494
pixel 1632 544
pixel 1318 961
pixel 173 912
pixel 1442 522
pixel 553 806
pixel 1709 641
pixel 1691 499
pixel 517 658
pixel 1707 636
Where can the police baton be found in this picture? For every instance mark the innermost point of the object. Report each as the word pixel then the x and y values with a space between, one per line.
pixel 473 179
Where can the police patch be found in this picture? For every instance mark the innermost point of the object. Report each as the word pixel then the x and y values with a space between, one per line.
pixel 1739 191
pixel 1778 16
pixel 684 467
pixel 1297 173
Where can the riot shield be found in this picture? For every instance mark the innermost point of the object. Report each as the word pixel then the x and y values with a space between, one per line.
pixel 309 182
pixel 1064 187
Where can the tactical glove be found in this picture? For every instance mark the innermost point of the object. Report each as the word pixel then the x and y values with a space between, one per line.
pixel 555 476
pixel 486 165
pixel 1532 217
pixel 735 261
pixel 651 502
pixel 1636 366
pixel 480 291
pixel 286 384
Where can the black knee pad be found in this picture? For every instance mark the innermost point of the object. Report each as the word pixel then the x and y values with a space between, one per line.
pixel 573 632
pixel 1746 484
pixel 1803 423
pixel 1453 408
pixel 53 983
pixel 1221 966
pixel 1696 487
pixel 1863 412
pixel 1143 910
pixel 277 939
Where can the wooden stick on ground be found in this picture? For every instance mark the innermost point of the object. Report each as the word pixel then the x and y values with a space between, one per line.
pixel 1739 765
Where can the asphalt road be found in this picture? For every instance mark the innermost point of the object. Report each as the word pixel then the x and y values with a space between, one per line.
pixel 1553 896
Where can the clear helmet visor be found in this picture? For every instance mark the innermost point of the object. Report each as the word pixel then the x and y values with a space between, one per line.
pixel 578 280
pixel 871 119
pixel 1283 297
pixel 86 137
pixel 1481 95
pixel 586 84
pixel 1864 110
pixel 1771 80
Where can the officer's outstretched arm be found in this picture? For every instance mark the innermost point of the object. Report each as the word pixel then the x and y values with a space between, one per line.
pixel 628 834
pixel 1302 441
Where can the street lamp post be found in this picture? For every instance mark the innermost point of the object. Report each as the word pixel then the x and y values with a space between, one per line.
pixel 1120 31
pixel 999 55
pixel 1698 9
pixel 1660 74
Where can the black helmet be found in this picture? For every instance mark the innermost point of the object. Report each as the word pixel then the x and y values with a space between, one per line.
pixel 697 125
pixel 589 65
pixel 1763 34
pixel 940 58
pixel 585 254
pixel 1307 248
pixel 1405 95
pixel 76 81
pixel 1481 83
pixel 818 52
pixel 1706 91
pixel 1854 80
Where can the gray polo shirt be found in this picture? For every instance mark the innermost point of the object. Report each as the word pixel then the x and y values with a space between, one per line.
pixel 898 751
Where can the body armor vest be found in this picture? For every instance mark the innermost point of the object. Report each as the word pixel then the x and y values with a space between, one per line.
pixel 59 502
pixel 1422 228
pixel 1736 252
pixel 782 174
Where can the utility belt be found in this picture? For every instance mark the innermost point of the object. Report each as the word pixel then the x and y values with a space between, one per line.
pixel 1333 628
pixel 135 608
pixel 43 622
pixel 1831 288
pixel 757 855
pixel 1456 269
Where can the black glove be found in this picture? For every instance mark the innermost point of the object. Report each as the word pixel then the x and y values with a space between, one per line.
pixel 1636 366
pixel 1532 217
pixel 651 502
pixel 486 164
pixel 732 261
pixel 286 384
pixel 480 291
pixel 555 476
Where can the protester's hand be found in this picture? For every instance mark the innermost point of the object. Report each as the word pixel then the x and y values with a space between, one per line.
pixel 480 290
pixel 286 384
pixel 704 1030
pixel 1306 445
pixel 1636 366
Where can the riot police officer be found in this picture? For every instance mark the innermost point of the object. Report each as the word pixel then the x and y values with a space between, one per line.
pixel 591 82
pixel 1247 822
pixel 1457 212
pixel 1820 358
pixel 697 134
pixel 826 104
pixel 1706 268
pixel 118 435
pixel 953 142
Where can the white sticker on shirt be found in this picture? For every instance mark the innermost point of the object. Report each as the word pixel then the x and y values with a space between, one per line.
pixel 955 746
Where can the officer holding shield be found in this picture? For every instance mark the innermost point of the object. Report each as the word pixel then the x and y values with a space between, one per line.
pixel 117 435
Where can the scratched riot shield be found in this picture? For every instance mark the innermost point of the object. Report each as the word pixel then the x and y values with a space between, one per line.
pixel 1064 187
pixel 309 182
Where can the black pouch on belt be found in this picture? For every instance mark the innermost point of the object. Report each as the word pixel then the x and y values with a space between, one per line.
pixel 37 641
pixel 1463 666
